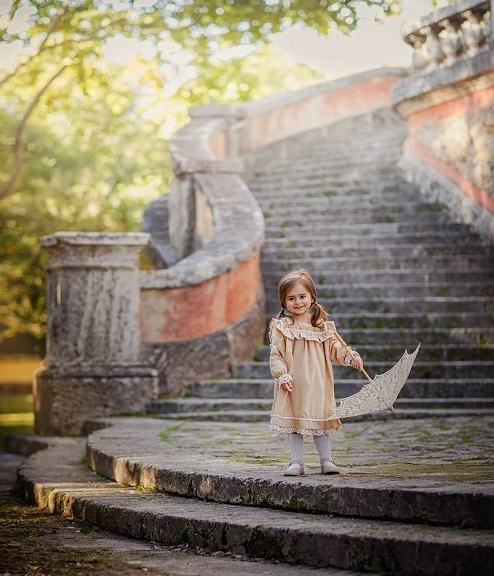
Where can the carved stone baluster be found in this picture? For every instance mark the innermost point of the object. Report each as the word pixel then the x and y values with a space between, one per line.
pixel 418 60
pixel 472 32
pixel 450 41
pixel 432 46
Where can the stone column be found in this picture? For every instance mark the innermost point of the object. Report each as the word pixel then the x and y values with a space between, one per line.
pixel 93 365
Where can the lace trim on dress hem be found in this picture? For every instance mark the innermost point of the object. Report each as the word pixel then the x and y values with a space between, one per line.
pixel 295 333
pixel 305 418
pixel 281 431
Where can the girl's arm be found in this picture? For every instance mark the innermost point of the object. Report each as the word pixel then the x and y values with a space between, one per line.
pixel 344 355
pixel 277 365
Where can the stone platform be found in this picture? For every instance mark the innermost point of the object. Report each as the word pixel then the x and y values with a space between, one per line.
pixel 416 496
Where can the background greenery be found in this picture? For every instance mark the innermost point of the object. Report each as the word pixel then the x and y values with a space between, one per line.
pixel 83 140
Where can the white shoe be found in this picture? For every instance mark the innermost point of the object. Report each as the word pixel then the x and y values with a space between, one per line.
pixel 329 467
pixel 295 468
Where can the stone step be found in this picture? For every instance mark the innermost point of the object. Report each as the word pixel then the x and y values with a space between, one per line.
pixel 337 174
pixel 428 352
pixel 434 276
pixel 360 222
pixel 348 240
pixel 55 480
pixel 326 198
pixel 416 289
pixel 424 304
pixel 403 414
pixel 339 264
pixel 458 369
pixel 414 388
pixel 179 473
pixel 367 154
pixel 330 211
pixel 335 228
pixel 349 320
pixel 188 405
pixel 430 336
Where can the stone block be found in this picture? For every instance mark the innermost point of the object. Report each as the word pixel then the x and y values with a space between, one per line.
pixel 65 399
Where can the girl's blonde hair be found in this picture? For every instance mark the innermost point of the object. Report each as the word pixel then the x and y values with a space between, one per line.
pixel 317 312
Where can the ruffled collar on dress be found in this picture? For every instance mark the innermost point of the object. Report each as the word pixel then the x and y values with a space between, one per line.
pixel 303 330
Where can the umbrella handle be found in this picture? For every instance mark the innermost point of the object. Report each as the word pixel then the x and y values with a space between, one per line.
pixel 345 345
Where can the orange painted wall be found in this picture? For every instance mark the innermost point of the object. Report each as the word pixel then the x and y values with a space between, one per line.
pixel 317 111
pixel 185 313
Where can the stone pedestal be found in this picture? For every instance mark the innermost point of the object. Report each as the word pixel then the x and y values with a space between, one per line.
pixel 93 365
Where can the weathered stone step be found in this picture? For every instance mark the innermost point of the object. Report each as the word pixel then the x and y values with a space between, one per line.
pixel 301 195
pixel 359 222
pixel 279 186
pixel 432 320
pixel 366 154
pixel 328 265
pixel 257 485
pixel 54 480
pixel 414 388
pixel 188 405
pixel 298 233
pixel 434 276
pixel 328 212
pixel 409 336
pixel 375 169
pixel 327 199
pixel 428 352
pixel 473 304
pixel 348 240
pixel 403 414
pixel 416 289
pixel 458 369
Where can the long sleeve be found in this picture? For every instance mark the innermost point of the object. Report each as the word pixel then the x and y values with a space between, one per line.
pixel 277 363
pixel 340 354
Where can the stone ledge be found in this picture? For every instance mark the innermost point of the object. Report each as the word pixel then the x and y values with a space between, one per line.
pixel 463 77
pixel 130 451
pixel 57 482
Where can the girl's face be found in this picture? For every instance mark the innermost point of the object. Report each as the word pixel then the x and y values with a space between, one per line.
pixel 298 302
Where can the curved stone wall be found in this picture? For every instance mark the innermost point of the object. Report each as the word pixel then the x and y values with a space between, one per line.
pixel 207 311
pixel 448 104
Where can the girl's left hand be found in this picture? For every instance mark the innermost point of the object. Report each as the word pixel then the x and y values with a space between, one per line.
pixel 357 362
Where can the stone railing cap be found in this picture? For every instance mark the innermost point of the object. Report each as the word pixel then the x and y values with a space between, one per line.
pixel 95 238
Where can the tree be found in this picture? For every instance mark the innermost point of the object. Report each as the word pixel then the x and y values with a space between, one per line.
pixel 69 36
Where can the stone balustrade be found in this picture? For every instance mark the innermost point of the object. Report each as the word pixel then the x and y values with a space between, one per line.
pixel 448 104
pixel 441 38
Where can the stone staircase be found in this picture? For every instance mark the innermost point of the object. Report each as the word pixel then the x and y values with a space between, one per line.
pixel 392 269
pixel 416 495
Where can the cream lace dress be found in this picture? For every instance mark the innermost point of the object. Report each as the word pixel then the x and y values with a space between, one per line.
pixel 304 353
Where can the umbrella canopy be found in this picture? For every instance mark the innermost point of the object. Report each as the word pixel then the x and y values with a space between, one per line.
pixel 380 393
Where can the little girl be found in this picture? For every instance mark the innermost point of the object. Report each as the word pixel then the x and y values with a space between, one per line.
pixel 303 345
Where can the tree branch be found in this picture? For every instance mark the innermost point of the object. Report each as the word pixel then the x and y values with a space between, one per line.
pixel 42 47
pixel 18 149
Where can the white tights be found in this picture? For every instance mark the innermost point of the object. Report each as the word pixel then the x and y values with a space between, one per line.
pixel 323 445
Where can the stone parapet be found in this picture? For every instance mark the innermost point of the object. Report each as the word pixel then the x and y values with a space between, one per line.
pixel 448 104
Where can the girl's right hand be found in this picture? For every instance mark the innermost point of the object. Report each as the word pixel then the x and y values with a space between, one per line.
pixel 288 386
pixel 285 382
